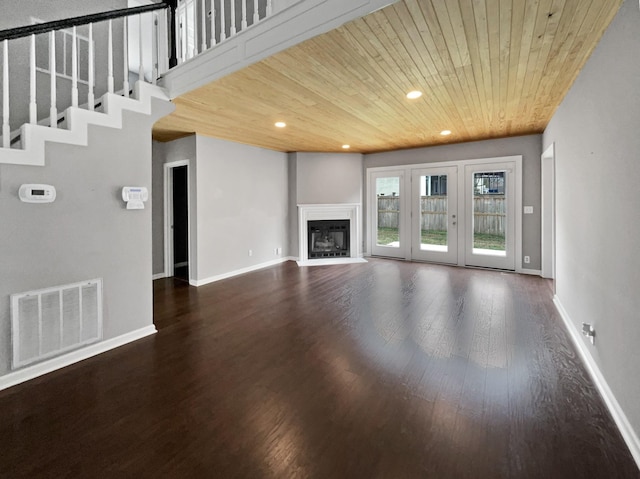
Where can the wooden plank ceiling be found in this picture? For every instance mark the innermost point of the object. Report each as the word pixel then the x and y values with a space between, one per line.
pixel 488 69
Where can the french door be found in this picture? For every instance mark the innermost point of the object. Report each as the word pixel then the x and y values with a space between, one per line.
pixel 434 214
pixel 463 212
pixel 387 201
pixel 490 215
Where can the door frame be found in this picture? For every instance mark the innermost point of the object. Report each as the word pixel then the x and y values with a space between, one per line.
pixel 462 227
pixel 548 212
pixel 404 223
pixel 514 224
pixel 168 216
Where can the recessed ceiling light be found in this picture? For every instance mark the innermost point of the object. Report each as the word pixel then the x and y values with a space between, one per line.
pixel 280 124
pixel 346 147
pixel 412 95
pixel 445 132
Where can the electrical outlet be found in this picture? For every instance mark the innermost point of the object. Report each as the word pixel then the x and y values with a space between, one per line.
pixel 250 252
pixel 527 259
pixel 278 251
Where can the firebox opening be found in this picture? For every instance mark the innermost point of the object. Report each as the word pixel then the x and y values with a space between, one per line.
pixel 328 239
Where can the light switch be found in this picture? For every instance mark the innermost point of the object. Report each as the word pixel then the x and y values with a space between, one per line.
pixel 528 210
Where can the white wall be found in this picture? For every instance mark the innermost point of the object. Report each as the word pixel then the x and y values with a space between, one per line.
pixel 530 147
pixel 596 131
pixel 87 232
pixel 242 204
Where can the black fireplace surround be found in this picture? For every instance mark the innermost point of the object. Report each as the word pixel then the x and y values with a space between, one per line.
pixel 328 239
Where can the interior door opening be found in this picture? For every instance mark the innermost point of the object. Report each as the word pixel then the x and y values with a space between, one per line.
pixel 177 242
pixel 180 227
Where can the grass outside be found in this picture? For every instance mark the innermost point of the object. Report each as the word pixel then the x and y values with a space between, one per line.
pixel 487 241
pixel 435 237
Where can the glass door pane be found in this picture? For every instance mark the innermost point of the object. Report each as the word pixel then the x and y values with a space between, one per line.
pixel 490 215
pixel 386 201
pixel 434 231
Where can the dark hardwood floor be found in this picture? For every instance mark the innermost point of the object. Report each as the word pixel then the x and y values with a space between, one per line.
pixel 379 370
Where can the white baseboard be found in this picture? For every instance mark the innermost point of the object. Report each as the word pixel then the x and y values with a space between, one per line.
pixel 534 272
pixel 230 274
pixel 32 372
pixel 629 435
pixel 159 276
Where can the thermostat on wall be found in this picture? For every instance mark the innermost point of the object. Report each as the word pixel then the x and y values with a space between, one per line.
pixel 37 193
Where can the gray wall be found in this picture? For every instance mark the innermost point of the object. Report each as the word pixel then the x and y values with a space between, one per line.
pixel 87 232
pixel 19 13
pixel 242 204
pixel 530 147
pixel 596 131
pixel 181 149
pixel 329 178
pixel 322 178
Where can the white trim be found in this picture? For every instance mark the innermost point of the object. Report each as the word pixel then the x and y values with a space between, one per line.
pixel 628 434
pixel 40 369
pixel 330 261
pixel 338 211
pixel 34 137
pixel 159 276
pixel 534 272
pixel 547 206
pixel 230 274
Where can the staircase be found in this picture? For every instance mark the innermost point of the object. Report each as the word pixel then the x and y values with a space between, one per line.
pixel 83 58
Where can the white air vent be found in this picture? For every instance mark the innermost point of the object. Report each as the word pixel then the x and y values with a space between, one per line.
pixel 52 321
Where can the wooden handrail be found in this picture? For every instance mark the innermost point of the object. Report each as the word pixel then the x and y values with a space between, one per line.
pixel 27 30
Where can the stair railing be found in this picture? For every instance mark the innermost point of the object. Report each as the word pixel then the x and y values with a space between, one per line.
pixel 82 58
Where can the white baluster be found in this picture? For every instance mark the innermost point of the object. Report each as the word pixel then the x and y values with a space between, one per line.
pixel 6 130
pixel 154 48
pixel 223 26
pixel 33 108
pixel 74 68
pixel 194 5
pixel 125 56
pixel 203 9
pixel 213 22
pixel 232 30
pixel 90 94
pixel 243 23
pixel 269 8
pixel 256 14
pixel 140 50
pixel 110 58
pixel 53 111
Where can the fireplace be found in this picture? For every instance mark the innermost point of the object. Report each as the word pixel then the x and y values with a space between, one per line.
pixel 328 239
pixel 329 234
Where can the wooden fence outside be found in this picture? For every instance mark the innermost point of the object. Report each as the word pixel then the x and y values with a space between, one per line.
pixel 489 213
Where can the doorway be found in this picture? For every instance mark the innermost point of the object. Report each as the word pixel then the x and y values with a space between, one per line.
pixel 177 223
pixel 387 198
pixel 548 213
pixel 434 232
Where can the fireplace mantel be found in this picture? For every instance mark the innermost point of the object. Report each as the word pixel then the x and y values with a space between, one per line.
pixel 340 211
